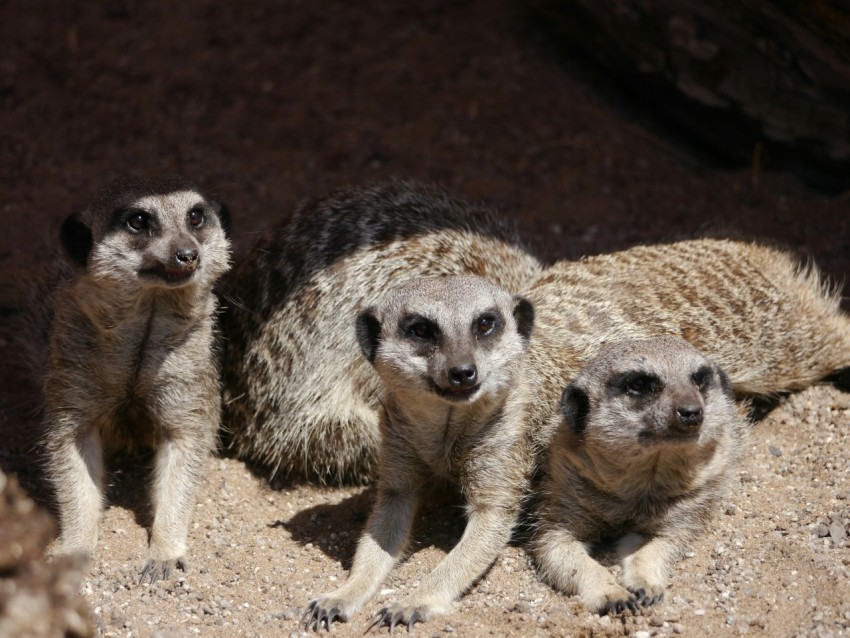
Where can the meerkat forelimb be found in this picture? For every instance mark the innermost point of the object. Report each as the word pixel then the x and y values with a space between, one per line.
pixel 449 352
pixel 132 358
pixel 649 437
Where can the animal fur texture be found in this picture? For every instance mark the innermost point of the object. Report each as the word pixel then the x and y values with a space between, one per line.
pixel 449 352
pixel 299 399
pixel 132 360
pixel 299 402
pixel 647 444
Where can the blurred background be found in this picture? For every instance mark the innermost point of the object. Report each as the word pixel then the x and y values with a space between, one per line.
pixel 595 125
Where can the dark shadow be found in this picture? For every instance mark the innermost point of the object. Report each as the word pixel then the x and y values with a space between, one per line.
pixel 724 138
pixel 840 379
pixel 440 522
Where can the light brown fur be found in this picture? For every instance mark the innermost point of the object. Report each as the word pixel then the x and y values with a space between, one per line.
pixel 649 437
pixel 132 361
pixel 450 352
pixel 299 400
pixel 300 403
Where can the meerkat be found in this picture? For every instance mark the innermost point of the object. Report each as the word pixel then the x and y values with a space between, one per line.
pixel 132 359
pixel 301 403
pixel 771 324
pixel 649 436
pixel 449 352
pixel 299 400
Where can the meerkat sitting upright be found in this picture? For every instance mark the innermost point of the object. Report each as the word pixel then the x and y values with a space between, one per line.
pixel 132 359
pixel 299 400
pixel 449 352
pixel 649 437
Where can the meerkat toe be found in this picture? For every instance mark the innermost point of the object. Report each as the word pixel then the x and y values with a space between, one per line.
pixel 323 611
pixel 402 614
pixel 614 600
pixel 648 596
pixel 156 570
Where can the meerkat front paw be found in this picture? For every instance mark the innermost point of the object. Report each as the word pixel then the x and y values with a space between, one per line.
pixel 155 570
pixel 613 599
pixel 325 610
pixel 405 613
pixel 645 592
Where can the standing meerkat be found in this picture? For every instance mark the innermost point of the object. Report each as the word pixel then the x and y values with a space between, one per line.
pixel 649 437
pixel 449 352
pixel 132 359
pixel 299 400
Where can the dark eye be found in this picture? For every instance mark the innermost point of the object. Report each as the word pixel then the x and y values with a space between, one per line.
pixel 138 222
pixel 485 325
pixel 702 378
pixel 197 217
pixel 640 385
pixel 423 330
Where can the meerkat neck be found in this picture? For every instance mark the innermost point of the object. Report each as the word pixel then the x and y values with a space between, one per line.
pixel 108 306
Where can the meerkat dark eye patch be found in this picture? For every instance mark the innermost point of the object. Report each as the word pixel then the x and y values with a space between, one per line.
pixel 134 220
pixel 638 384
pixel 487 324
pixel 419 328
pixel 196 217
pixel 703 377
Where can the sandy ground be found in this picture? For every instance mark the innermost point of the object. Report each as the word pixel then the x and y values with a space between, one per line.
pixel 775 562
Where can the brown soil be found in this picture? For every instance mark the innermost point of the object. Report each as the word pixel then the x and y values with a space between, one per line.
pixel 265 103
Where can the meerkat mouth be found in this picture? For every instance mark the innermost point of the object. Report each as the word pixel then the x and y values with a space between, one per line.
pixel 455 394
pixel 170 276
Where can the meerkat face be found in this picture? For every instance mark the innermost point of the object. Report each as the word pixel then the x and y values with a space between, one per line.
pixel 655 392
pixel 157 233
pixel 456 338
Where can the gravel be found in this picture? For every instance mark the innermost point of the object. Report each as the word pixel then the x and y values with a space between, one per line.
pixel 774 561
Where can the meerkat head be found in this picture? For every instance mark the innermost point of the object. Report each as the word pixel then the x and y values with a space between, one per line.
pixel 660 391
pixel 456 337
pixel 159 232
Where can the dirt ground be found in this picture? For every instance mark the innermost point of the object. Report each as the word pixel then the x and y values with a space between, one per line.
pixel 265 103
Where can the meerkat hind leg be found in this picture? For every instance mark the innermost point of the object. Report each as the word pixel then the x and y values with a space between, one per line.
pixel 380 546
pixel 176 472
pixel 78 469
pixel 646 565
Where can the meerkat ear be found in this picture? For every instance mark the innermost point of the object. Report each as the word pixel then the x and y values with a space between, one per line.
pixel 368 333
pixel 223 216
pixel 575 405
pixel 725 382
pixel 76 239
pixel 524 316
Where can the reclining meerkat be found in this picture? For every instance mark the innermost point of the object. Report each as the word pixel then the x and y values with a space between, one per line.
pixel 300 402
pixel 449 352
pixel 132 359
pixel 650 435
pixel 299 399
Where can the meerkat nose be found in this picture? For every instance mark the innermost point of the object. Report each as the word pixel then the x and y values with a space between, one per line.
pixel 186 257
pixel 689 415
pixel 463 376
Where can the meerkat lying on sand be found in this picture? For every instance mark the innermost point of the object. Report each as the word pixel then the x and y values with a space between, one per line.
pixel 649 439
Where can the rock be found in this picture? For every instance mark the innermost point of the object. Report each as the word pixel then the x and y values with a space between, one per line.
pixel 37 598
pixel 837 531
